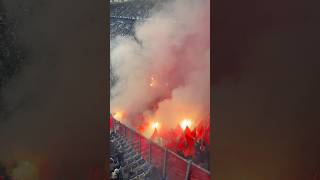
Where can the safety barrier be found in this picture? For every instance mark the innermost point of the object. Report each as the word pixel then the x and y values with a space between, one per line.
pixel 172 166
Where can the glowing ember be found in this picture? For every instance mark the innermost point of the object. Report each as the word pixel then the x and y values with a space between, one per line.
pixel 152 82
pixel 155 125
pixel 186 123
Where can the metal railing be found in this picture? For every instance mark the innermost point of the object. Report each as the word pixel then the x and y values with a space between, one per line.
pixel 172 166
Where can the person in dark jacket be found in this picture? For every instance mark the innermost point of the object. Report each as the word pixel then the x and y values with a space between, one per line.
pixel 120 158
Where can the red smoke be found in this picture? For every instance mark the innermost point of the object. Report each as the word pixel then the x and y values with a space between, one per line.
pixel 180 140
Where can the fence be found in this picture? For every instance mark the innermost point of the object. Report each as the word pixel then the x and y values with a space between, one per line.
pixel 172 166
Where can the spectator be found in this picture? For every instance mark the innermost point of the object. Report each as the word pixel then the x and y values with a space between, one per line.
pixel 120 158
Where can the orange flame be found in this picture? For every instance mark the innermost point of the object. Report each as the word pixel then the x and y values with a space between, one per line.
pixel 186 123
pixel 118 115
pixel 155 125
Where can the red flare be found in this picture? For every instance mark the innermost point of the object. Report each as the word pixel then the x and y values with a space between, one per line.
pixel 187 130
pixel 189 137
pixel 182 143
pixel 194 133
pixel 200 132
pixel 142 128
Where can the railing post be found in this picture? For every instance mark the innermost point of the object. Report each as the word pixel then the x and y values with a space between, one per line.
pixel 164 170
pixel 149 158
pixel 188 170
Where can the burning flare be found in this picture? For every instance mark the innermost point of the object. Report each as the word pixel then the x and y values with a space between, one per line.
pixel 155 125
pixel 185 123
pixel 118 115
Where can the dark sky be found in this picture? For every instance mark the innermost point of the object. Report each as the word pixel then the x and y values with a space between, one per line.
pixel 58 102
pixel 266 89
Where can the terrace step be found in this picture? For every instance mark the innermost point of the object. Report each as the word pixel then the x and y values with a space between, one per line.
pixel 133 161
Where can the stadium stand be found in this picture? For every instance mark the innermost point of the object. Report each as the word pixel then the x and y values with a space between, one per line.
pixel 121 26
pixel 135 9
pixel 125 163
pixel 123 16
pixel 130 160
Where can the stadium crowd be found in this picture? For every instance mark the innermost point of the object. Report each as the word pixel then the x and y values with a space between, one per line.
pixel 137 8
pixel 122 27
pixel 124 15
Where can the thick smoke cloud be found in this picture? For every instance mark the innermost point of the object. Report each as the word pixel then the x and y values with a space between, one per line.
pixel 55 106
pixel 166 73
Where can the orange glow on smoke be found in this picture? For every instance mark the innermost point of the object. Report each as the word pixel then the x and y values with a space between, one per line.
pixel 118 115
pixel 186 123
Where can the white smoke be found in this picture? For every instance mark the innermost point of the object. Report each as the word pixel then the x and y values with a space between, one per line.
pixel 167 73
